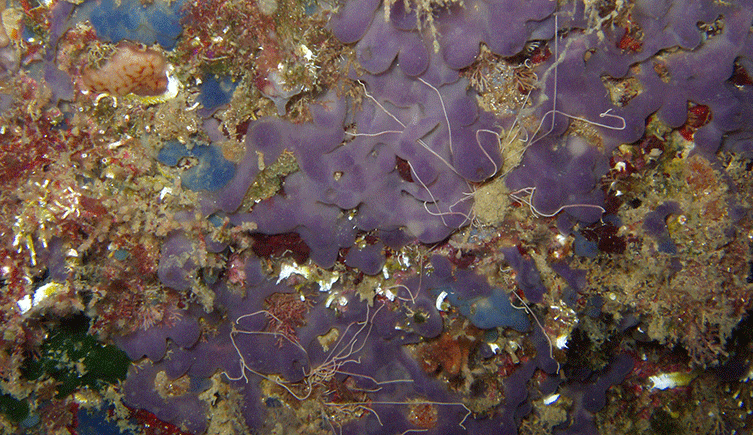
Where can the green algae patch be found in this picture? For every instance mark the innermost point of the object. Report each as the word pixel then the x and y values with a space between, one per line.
pixel 76 359
pixel 15 410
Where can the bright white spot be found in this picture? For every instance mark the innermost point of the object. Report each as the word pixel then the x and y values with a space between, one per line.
pixel 495 348
pixel 115 144
pixel 173 85
pixel 305 52
pixel 24 304
pixel 405 261
pixel 386 293
pixel 164 192
pixel 44 292
pixel 551 399
pixel 27 303
pixel 561 342
pixel 440 299
pixel 664 381
pixel 288 270
pixel 325 285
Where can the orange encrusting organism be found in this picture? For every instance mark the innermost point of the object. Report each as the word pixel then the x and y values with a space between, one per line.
pixel 132 69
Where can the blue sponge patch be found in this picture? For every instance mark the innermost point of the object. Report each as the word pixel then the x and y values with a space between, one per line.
pixel 207 170
pixel 215 92
pixel 157 22
pixel 486 312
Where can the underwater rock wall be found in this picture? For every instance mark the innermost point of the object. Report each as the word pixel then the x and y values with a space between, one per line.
pixel 305 245
pixel 402 161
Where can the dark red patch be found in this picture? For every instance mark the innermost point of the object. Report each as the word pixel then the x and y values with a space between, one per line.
pixel 151 425
pixel 403 169
pixel 605 235
pixel 540 54
pixel 631 40
pixel 741 76
pixel 241 130
pixel 698 116
pixel 280 245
